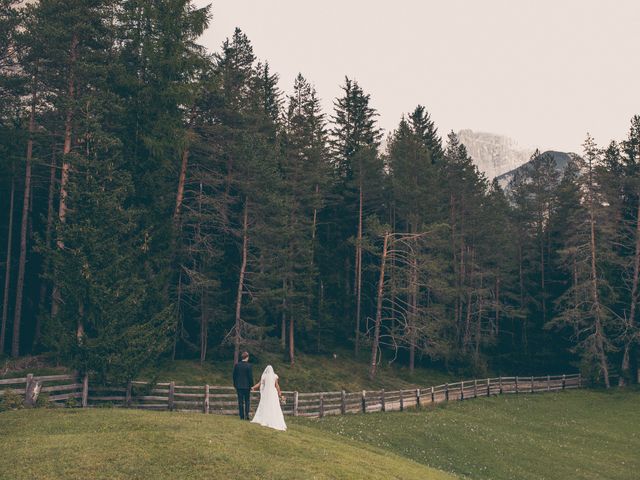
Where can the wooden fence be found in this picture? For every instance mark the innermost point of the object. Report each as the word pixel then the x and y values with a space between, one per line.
pixel 223 400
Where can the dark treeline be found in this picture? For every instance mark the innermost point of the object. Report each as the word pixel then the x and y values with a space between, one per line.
pixel 159 200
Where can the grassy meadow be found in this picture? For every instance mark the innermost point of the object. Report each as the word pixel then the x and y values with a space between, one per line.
pixel 578 434
pixel 574 434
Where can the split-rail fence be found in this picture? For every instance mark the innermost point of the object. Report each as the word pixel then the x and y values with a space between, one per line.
pixel 73 389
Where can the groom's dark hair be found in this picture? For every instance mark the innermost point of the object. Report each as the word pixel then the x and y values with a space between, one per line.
pixel 245 355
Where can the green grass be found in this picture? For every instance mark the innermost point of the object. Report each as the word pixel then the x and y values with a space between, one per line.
pixel 566 435
pixel 20 367
pixel 311 373
pixel 130 444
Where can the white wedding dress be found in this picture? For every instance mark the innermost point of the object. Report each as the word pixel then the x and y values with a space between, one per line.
pixel 269 413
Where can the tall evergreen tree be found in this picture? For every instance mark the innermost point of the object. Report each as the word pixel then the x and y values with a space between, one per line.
pixel 305 172
pixel 354 146
pixel 586 305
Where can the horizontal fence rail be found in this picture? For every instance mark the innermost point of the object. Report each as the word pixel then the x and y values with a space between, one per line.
pixel 75 390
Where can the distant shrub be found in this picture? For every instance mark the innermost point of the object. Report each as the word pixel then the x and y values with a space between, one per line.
pixel 71 403
pixel 11 400
pixel 43 401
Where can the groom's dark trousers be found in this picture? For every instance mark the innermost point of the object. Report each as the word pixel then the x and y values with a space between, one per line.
pixel 243 381
pixel 244 402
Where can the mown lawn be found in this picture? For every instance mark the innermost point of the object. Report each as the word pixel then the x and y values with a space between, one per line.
pixel 128 444
pixel 567 435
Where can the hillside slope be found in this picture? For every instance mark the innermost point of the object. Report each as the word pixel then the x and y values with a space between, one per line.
pixel 128 444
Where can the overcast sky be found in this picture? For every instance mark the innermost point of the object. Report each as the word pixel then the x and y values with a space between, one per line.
pixel 543 72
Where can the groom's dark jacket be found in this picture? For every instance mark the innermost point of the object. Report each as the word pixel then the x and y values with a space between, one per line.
pixel 243 375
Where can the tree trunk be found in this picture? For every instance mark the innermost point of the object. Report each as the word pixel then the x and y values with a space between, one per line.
pixel 17 314
pixel 543 294
pixel 181 182
pixel 625 369
pixel 66 150
pixel 183 170
pixel 597 307
pixel 47 240
pixel 243 267
pixel 376 334
pixel 7 273
pixel 497 325
pixel 176 335
pixel 320 314
pixel 204 328
pixel 414 313
pixel 314 227
pixel 291 341
pixel 359 270
pixel 283 319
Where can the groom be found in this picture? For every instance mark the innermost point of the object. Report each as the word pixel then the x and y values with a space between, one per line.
pixel 243 381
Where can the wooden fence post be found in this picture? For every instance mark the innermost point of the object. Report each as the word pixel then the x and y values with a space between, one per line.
pixel 433 395
pixel 127 395
pixel 564 380
pixel 401 401
pixel 446 392
pixel 532 384
pixel 321 406
pixel 85 390
pixel 29 382
pixel 364 401
pixel 500 384
pixel 206 398
pixel 488 387
pixel 580 380
pixel 172 391
pixel 295 404
pixel 475 388
pixel 343 402
pixel 30 393
pixel 516 384
pixel 461 389
pixel 382 403
pixel 417 398
pixel 548 383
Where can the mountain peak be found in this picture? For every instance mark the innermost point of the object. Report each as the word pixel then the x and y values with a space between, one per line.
pixel 492 153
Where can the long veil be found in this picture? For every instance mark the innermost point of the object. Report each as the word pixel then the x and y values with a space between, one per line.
pixel 269 412
pixel 267 379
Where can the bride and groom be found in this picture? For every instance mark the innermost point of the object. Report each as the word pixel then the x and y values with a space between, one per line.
pixel 269 413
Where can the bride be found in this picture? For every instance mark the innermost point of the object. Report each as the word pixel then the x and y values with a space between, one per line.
pixel 269 413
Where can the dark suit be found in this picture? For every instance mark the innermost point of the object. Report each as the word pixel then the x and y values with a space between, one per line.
pixel 243 381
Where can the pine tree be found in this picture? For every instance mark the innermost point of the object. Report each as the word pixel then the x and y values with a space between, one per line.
pixel 414 185
pixel 586 305
pixel 425 128
pixel 12 82
pixel 354 143
pixel 107 324
pixel 305 171
pixel 630 199
pixel 533 193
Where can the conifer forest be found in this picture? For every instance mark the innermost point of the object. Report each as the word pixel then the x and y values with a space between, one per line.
pixel 160 200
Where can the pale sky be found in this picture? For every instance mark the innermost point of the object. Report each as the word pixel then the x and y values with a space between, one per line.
pixel 543 72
